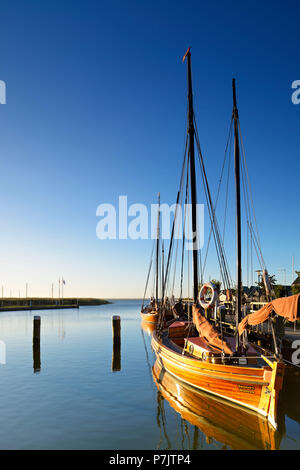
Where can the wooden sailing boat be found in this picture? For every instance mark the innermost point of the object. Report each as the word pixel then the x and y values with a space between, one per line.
pixel 202 359
pixel 150 313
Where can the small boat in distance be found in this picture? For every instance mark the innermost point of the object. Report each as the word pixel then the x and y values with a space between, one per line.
pixel 149 313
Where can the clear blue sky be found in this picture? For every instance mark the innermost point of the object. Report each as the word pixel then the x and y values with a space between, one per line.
pixel 96 102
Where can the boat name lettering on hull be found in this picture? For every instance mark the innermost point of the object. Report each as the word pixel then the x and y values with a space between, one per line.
pixel 246 388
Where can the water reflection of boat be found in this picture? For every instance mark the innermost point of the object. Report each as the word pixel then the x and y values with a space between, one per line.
pixel 290 393
pixel 226 423
pixel 149 315
pixel 148 327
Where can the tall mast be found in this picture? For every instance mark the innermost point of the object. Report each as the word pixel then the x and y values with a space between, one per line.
pixel 235 115
pixel 191 133
pixel 157 249
pixel 162 269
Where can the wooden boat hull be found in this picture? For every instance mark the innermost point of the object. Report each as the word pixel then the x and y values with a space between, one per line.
pixel 245 430
pixel 256 388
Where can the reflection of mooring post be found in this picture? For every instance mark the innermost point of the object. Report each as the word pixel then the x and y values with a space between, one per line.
pixel 116 355
pixel 36 344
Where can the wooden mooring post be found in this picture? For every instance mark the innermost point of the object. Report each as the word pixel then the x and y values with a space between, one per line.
pixel 116 334
pixel 36 341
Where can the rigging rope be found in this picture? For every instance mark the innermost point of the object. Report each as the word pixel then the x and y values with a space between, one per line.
pixel 174 222
pixel 218 243
pixel 229 139
pixel 148 275
pixel 184 228
pixel 250 192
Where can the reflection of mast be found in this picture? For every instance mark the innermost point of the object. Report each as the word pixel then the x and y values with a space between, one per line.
pixel 186 432
pixel 61 328
pixel 146 351
pixel 195 439
pixel 158 422
pixel 161 413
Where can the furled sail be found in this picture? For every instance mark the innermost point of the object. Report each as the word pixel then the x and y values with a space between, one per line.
pixel 287 307
pixel 207 331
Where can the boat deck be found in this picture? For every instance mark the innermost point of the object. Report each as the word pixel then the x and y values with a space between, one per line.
pixel 177 345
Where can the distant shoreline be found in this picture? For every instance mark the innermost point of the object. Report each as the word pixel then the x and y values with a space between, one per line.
pixel 117 299
pixel 46 303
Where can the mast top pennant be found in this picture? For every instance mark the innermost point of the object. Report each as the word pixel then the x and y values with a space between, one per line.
pixel 183 59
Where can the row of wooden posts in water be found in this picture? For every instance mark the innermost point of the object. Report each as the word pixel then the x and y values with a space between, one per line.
pixel 116 354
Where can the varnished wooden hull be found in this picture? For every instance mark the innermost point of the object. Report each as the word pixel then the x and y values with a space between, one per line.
pixel 227 423
pixel 256 388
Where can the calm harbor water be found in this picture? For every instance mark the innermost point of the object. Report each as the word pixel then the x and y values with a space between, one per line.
pixel 75 401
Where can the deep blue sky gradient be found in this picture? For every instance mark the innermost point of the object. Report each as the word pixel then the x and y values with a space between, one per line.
pixel 96 104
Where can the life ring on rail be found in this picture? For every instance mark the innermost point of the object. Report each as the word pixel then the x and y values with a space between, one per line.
pixel 203 291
